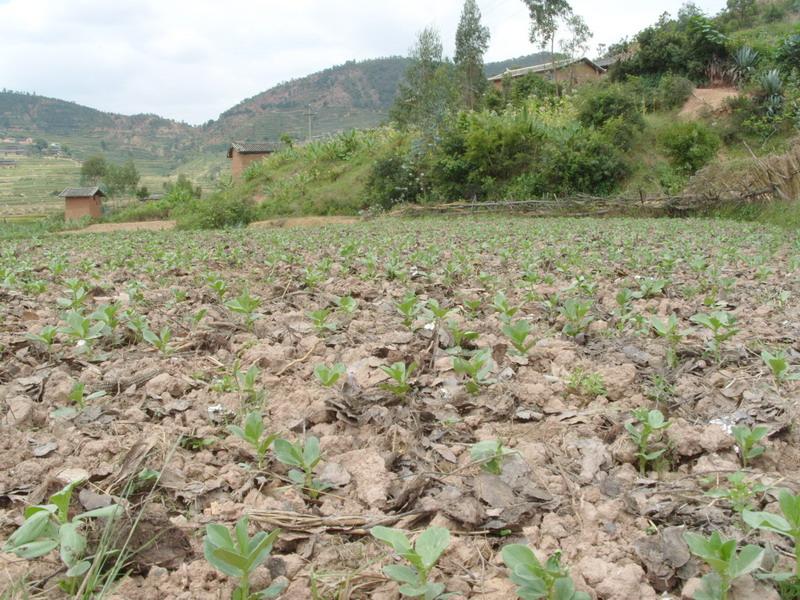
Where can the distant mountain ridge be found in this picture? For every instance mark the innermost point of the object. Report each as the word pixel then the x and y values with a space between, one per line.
pixel 352 95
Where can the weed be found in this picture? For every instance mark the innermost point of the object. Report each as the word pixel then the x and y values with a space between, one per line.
pixel 739 492
pixel 671 332
pixel 491 454
pixel 586 384
pixel 347 304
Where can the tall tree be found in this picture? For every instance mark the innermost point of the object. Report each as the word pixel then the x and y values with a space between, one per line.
pixel 93 170
pixel 546 16
pixel 577 42
pixel 472 41
pixel 427 90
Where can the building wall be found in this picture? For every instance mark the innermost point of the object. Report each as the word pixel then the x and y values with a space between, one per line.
pixel 86 206
pixel 240 162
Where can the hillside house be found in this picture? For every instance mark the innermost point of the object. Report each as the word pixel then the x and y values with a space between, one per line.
pixel 572 72
pixel 82 202
pixel 243 154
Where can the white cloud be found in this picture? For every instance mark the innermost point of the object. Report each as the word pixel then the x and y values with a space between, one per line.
pixel 191 60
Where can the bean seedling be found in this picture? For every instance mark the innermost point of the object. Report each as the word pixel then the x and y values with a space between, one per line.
pixel 722 326
pixel 239 556
pixel 253 433
pixel 476 369
pixel 786 524
pixel 328 376
pixel 747 442
pixel 548 581
pixel 518 333
pixel 490 454
pixel 305 457
pixel 779 367
pixel 422 557
pixel 400 375
pixel 245 305
pixel 726 561
pixel 646 424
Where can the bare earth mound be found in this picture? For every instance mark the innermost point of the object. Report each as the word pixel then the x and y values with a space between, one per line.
pixel 707 100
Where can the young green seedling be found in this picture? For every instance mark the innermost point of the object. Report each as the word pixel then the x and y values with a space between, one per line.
pixel 646 424
pixel 549 581
pixel 726 561
pixel 518 333
pixel 501 304
pixel 347 304
pixel 254 434
pixel 739 492
pixel 577 317
pixel 409 307
pixel 721 325
pixel 329 376
pixel 77 395
pixel 246 305
pixel 476 369
pixel 671 332
pixel 305 457
pixel 246 384
pixel 82 331
pixel 48 527
pixel 747 442
pixel 460 337
pixel 46 337
pixel 490 454
pixel 239 556
pixel 786 524
pixel 400 375
pixel 435 313
pixel 320 320
pixel 78 295
pixel 159 340
pixel 219 287
pixel 422 558
pixel 472 306
pixel 650 288
pixel 586 384
pixel 779 367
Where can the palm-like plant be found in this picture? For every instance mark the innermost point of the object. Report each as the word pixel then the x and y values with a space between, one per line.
pixel 745 60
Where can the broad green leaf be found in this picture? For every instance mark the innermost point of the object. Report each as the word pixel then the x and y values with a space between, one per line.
pixel 396 539
pixel 401 573
pixel 311 452
pixel 242 539
pixel 287 453
pixel 104 512
pixel 790 507
pixel 232 559
pixel 430 545
pixel 273 591
pixel 748 560
pixel 767 521
pixel 219 536
pixel 563 589
pixel 518 555
pixel 35 549
pixel 31 529
pixel 261 546
pixel 79 568
pixel 72 543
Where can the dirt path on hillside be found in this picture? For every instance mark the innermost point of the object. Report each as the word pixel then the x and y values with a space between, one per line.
pixel 707 99
pixel 287 222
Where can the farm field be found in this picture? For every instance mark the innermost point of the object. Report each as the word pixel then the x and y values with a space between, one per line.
pixel 33 185
pixel 597 390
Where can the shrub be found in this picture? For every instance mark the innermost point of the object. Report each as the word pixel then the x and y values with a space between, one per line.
pixel 222 210
pixel 599 105
pixel 689 146
pixel 394 178
pixel 674 91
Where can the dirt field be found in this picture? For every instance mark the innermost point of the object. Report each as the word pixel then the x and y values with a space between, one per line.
pixel 287 222
pixel 532 341
pixel 707 100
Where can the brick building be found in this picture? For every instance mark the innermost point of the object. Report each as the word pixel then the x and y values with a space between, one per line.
pixel 569 72
pixel 243 154
pixel 82 202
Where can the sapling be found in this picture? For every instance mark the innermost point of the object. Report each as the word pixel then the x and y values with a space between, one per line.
pixel 548 581
pixel 253 433
pixel 518 332
pixel 400 375
pixel 329 376
pixel 305 457
pixel 779 366
pixel 48 526
pixel 786 524
pixel 421 557
pixel 490 454
pixel 239 556
pixel 726 561
pixel 476 369
pixel 747 442
pixel 646 424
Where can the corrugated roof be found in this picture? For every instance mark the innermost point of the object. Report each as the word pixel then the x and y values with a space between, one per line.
pixel 81 192
pixel 545 67
pixel 253 148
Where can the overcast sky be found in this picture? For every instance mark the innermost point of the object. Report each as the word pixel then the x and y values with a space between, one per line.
pixel 192 59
